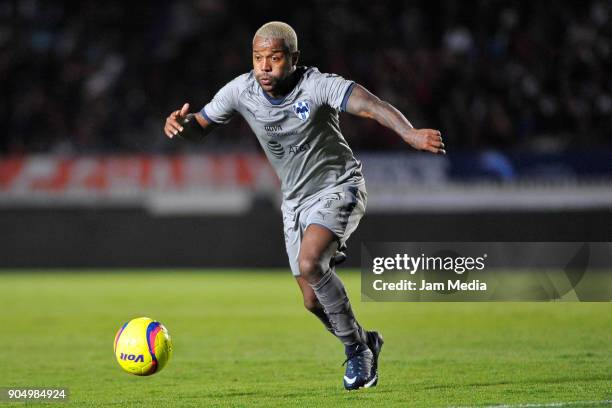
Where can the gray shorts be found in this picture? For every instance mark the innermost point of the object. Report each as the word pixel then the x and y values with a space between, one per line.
pixel 338 209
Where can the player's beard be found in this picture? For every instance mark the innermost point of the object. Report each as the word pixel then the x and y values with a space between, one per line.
pixel 274 84
pixel 268 83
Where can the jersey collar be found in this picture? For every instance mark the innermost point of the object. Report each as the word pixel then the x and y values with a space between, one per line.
pixel 277 101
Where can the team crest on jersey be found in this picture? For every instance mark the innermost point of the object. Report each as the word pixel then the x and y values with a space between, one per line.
pixel 302 109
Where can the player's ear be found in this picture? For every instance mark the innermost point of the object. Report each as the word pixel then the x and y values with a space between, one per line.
pixel 295 56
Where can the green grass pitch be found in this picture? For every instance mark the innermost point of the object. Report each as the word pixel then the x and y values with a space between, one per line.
pixel 243 338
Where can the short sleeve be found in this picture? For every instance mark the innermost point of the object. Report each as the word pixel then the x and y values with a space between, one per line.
pixel 331 89
pixel 224 104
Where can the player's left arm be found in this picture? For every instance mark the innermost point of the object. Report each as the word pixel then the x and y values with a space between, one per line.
pixel 363 103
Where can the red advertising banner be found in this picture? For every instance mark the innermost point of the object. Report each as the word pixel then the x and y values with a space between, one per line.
pixel 108 174
pixel 230 183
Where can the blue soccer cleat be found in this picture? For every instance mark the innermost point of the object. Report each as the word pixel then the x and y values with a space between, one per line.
pixel 358 362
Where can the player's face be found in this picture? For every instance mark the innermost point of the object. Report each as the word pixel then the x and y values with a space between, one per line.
pixel 272 62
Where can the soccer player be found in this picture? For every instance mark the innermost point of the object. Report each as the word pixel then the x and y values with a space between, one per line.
pixel 293 111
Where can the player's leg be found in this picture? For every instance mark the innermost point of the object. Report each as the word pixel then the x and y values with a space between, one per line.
pixel 318 245
pixel 293 236
pixel 311 303
pixel 331 222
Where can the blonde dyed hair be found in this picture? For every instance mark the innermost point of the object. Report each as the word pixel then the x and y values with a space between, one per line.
pixel 279 30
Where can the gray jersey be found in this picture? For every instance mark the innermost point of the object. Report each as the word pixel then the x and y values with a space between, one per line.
pixel 299 133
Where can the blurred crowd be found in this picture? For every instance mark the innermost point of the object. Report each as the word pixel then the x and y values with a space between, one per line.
pixel 102 76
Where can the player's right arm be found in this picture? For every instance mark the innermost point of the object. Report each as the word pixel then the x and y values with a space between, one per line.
pixel 190 126
pixel 219 111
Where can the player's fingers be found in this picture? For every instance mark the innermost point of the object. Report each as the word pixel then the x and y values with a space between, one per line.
pixel 431 134
pixel 438 144
pixel 434 134
pixel 434 141
pixel 170 130
pixel 436 149
pixel 175 122
pixel 175 129
pixel 173 126
pixel 435 137
pixel 185 109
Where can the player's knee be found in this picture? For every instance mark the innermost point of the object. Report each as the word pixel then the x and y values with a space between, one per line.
pixel 310 268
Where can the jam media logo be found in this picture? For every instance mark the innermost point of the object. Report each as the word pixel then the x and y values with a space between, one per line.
pixel 132 357
pixel 276 149
pixel 302 109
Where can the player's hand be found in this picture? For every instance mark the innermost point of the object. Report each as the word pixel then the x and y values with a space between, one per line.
pixel 173 122
pixel 425 139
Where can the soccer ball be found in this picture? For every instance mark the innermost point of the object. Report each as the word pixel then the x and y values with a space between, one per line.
pixel 143 346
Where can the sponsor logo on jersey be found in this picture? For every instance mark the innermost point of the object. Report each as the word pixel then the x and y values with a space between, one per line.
pixel 273 128
pixel 302 109
pixel 299 148
pixel 276 149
